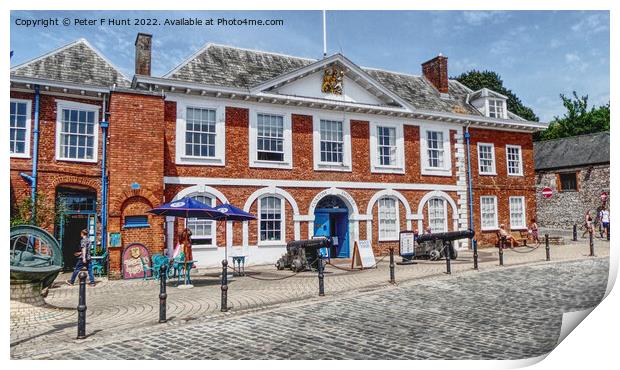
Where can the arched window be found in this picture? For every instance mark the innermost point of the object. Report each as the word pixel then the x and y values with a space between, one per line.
pixel 389 225
pixel 203 231
pixel 271 216
pixel 437 220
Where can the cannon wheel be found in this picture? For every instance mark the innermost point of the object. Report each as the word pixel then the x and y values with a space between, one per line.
pixel 434 255
pixel 454 254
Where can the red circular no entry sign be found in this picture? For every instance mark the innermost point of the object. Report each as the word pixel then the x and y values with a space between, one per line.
pixel 547 192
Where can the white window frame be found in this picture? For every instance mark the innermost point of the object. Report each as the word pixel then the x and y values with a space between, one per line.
pixel 220 132
pixel 445 213
pixel 213 235
pixel 65 104
pixel 513 226
pixel 495 101
pixel 496 225
pixel 446 170
pixel 388 238
pixel 282 221
pixel 520 160
pixel 287 145
pixel 375 162
pixel 26 153
pixel 345 166
pixel 494 169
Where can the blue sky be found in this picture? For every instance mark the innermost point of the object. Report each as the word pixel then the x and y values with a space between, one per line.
pixel 539 54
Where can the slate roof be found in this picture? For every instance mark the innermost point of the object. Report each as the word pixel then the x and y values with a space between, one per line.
pixel 573 151
pixel 227 66
pixel 76 63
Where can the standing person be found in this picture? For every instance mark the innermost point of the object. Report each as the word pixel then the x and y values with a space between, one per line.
pixel 186 240
pixel 588 223
pixel 604 216
pixel 534 231
pixel 83 260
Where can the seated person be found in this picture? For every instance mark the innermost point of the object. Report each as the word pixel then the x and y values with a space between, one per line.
pixel 502 233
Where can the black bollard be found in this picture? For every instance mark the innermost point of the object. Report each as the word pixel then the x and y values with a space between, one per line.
pixel 574 232
pixel 224 304
pixel 321 275
pixel 547 247
pixel 475 246
pixel 392 278
pixel 591 244
pixel 163 272
pixel 501 252
pixel 447 247
pixel 81 308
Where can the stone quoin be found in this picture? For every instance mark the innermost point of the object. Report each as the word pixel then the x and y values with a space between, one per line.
pixel 380 152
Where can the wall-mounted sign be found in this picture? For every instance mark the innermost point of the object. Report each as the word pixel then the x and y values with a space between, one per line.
pixel 115 239
pixel 135 186
pixel 135 257
pixel 363 257
pixel 547 192
pixel 407 243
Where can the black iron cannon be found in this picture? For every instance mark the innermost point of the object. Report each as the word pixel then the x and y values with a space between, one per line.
pixel 302 255
pixel 446 240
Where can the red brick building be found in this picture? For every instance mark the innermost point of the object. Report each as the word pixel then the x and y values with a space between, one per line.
pixel 311 147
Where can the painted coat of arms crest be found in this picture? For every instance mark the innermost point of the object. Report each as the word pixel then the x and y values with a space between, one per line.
pixel 332 80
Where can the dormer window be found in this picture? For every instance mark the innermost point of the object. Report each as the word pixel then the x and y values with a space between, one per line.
pixel 496 108
pixel 489 103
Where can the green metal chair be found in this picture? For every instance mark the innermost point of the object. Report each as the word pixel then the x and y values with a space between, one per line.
pixel 99 264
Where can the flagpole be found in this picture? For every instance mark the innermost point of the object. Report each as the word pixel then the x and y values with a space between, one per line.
pixel 324 35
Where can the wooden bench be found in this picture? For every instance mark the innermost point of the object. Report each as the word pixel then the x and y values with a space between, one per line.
pixel 521 239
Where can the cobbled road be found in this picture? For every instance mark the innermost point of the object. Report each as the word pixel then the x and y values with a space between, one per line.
pixel 511 313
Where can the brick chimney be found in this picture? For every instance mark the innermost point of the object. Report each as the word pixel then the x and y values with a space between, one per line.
pixel 436 71
pixel 143 54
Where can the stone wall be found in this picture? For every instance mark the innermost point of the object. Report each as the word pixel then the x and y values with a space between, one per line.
pixel 565 208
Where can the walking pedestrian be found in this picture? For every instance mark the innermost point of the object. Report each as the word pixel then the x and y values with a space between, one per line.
pixel 83 260
pixel 604 216
pixel 588 224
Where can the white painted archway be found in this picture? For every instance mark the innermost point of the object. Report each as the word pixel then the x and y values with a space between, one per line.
pixel 271 190
pixel 354 215
pixel 387 193
pixel 442 195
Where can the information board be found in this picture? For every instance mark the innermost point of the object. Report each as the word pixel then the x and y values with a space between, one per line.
pixel 407 243
pixel 363 256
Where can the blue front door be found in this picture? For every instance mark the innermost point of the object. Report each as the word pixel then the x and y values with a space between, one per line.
pixel 333 223
pixel 322 227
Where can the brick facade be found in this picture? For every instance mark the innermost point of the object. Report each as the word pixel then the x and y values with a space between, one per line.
pixel 142 152
pixel 502 185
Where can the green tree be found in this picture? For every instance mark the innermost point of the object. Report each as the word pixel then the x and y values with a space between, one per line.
pixel 476 80
pixel 577 120
pixel 46 214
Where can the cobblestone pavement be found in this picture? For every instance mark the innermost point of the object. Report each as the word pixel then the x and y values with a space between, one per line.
pixel 511 313
pixel 123 306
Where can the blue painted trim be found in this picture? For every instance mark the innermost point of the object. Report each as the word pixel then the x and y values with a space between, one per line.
pixel 469 180
pixel 331 210
pixel 135 226
pixel 35 154
pixel 104 187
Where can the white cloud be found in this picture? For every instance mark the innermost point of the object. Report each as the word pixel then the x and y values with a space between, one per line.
pixel 574 61
pixel 477 18
pixel 593 23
